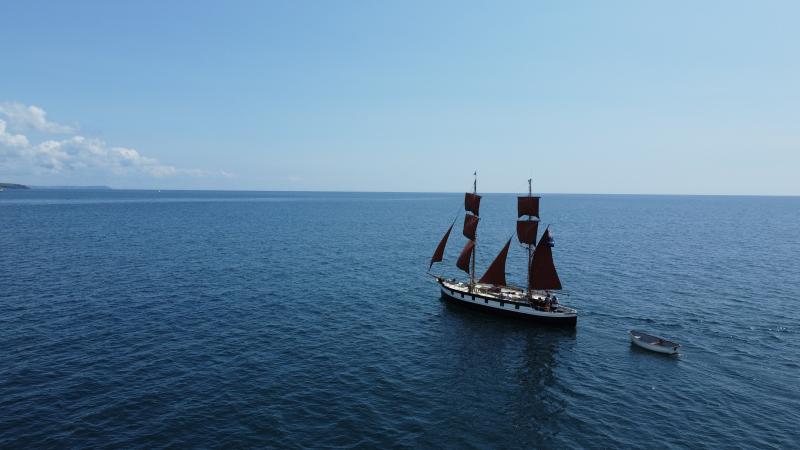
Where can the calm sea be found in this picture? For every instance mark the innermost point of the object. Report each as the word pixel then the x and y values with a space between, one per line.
pixel 253 319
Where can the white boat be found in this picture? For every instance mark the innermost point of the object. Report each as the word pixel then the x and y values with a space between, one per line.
pixel 653 343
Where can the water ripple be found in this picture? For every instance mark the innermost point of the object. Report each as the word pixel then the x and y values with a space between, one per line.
pixel 283 320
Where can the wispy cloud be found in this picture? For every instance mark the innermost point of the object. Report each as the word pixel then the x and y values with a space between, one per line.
pixel 73 152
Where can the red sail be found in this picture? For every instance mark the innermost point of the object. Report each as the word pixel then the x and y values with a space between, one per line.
pixel 465 256
pixel 496 273
pixel 470 226
pixel 472 203
pixel 542 271
pixel 439 253
pixel 527 206
pixel 526 231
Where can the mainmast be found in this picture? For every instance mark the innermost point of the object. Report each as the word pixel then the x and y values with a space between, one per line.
pixel 530 245
pixel 542 275
pixel 530 250
pixel 527 228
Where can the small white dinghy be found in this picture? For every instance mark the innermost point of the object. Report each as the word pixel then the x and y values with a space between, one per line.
pixel 653 343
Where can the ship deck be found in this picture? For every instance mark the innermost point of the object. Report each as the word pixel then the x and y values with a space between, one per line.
pixel 508 294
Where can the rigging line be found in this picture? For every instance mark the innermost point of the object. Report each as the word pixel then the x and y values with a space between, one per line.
pixel 458 213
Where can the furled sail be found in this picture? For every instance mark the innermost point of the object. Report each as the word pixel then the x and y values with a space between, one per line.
pixel 439 253
pixel 465 256
pixel 496 273
pixel 472 203
pixel 527 206
pixel 470 226
pixel 526 231
pixel 543 273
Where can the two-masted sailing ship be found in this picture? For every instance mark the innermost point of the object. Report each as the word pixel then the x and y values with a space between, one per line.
pixel 491 292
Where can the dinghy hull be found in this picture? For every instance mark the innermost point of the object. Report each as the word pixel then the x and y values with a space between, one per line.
pixel 653 343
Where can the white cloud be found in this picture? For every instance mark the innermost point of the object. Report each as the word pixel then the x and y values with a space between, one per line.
pixel 79 153
pixel 31 117
pixel 11 140
pixel 71 154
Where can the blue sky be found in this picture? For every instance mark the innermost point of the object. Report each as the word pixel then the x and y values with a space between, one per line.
pixel 593 97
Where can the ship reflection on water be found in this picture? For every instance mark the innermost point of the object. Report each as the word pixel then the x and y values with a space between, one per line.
pixel 506 372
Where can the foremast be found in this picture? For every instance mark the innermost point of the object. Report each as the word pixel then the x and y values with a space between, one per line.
pixel 466 260
pixel 475 236
pixel 472 203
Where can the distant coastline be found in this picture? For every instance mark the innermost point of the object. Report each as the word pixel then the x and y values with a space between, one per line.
pixel 10 186
pixel 79 188
pixel 13 186
pixel 76 188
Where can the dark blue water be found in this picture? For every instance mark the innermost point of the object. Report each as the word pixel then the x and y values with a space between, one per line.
pixel 173 319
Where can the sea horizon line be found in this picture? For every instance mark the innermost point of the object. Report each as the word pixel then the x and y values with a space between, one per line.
pixel 335 191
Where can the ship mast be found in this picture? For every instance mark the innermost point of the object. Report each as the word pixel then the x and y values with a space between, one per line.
pixel 474 250
pixel 472 204
pixel 530 245
pixel 528 210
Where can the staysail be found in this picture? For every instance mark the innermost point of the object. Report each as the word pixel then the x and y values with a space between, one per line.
pixel 542 271
pixel 439 253
pixel 465 256
pixel 496 273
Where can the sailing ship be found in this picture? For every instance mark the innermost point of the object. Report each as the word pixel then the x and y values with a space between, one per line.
pixel 491 292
